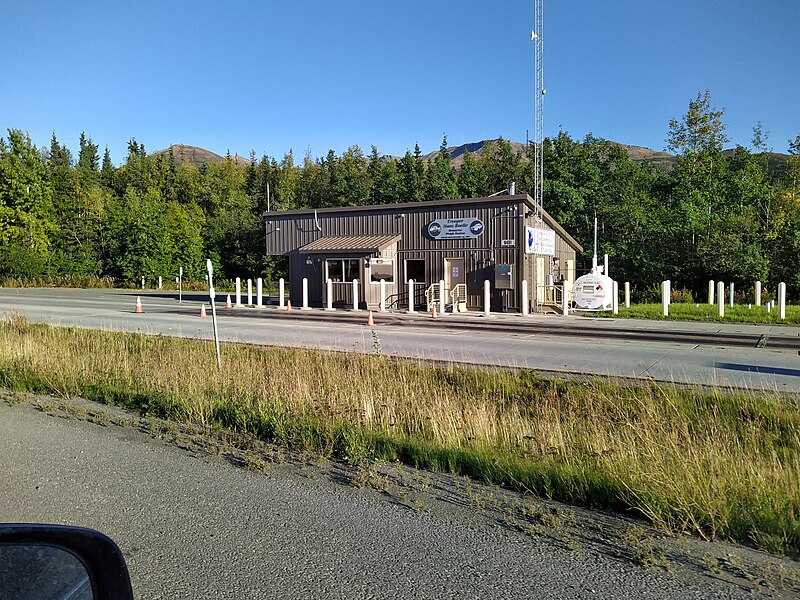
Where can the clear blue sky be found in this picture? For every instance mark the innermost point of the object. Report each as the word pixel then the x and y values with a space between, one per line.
pixel 272 75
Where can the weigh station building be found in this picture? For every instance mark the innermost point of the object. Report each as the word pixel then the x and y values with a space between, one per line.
pixel 501 239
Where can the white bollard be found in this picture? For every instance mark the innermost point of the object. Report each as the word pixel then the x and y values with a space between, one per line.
pixel 565 299
pixel 442 299
pixel 355 294
pixel 768 306
pixel 669 291
pixel 664 298
pixel 238 291
pixel 721 298
pixel 758 293
pixel 259 292
pixel 410 295
pixel 627 294
pixel 142 281
pixel 711 292
pixel 615 302
pixel 525 297
pixel 305 294
pixel 329 293
pixel 383 296
pixel 249 292
pixel 781 300
pixel 487 298
pixel 281 293
pixel 730 298
pixel 160 282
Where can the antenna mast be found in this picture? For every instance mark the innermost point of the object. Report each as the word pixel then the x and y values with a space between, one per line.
pixel 537 36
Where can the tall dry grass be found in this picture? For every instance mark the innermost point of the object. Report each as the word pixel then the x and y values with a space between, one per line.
pixel 719 464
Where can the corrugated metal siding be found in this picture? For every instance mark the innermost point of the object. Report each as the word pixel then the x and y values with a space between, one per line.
pixel 503 220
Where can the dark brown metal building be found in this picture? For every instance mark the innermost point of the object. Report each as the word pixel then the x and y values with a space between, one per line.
pixel 462 242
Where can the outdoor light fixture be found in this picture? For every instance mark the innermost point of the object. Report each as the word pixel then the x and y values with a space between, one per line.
pixel 309 261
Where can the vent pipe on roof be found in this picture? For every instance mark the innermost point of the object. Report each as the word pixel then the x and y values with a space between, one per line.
pixel 512 188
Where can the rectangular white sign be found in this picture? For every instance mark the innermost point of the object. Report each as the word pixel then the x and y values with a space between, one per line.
pixel 540 241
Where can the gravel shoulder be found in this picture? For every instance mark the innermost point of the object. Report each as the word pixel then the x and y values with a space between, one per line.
pixel 212 514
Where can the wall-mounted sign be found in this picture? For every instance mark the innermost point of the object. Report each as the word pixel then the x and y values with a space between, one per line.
pixel 506 243
pixel 540 241
pixel 455 229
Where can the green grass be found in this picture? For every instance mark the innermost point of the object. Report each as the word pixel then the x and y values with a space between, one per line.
pixel 705 312
pixel 717 464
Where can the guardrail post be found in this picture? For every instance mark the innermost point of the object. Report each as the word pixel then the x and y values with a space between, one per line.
pixel 259 292
pixel 721 298
pixel 305 294
pixel 758 293
pixel 281 292
pixel 329 293
pixel 711 292
pixel 665 298
pixel 238 292
pixel 781 300
pixel 442 299
pixel 525 307
pixel 487 298
pixel 383 296
pixel 410 295
pixel 627 294
pixel 355 294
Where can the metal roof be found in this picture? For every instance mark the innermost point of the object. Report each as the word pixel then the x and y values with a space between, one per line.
pixel 350 244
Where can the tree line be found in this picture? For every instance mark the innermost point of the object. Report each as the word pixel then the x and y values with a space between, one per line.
pixel 728 216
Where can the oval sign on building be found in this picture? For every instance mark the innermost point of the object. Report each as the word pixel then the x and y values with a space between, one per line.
pixel 455 229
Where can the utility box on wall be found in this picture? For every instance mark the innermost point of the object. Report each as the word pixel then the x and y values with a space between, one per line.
pixel 503 277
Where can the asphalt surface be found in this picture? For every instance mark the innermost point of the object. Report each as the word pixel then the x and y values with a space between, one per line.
pixel 203 528
pixel 730 355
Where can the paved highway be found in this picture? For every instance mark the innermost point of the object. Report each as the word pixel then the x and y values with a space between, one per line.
pixel 736 355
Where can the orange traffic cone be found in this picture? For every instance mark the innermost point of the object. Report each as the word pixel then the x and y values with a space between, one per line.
pixel 228 302
pixel 370 320
pixel 433 311
pixel 288 306
pixel 203 310
pixel 139 308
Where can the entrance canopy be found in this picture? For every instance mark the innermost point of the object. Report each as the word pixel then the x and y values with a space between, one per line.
pixel 350 244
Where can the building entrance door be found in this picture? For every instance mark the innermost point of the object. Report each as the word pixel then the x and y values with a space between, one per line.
pixel 455 281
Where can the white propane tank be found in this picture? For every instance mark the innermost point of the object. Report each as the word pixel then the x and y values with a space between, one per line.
pixel 593 291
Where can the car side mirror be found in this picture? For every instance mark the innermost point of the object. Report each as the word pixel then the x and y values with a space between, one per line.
pixel 58 561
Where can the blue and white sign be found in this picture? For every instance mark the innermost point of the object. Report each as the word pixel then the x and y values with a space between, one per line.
pixel 455 229
pixel 540 241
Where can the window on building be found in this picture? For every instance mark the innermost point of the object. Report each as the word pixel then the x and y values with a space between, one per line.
pixel 341 269
pixel 415 269
pixel 381 268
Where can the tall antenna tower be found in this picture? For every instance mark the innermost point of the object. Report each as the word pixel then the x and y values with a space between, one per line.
pixel 537 36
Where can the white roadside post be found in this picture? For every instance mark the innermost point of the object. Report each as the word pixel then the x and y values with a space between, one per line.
pixel 669 291
pixel 711 292
pixel 249 292
pixel 758 293
pixel 721 298
pixel 565 299
pixel 238 292
pixel 487 298
pixel 329 293
pixel 281 293
pixel 781 300
pixel 259 292
pixel 442 299
pixel 142 281
pixel 410 295
pixel 615 302
pixel 160 283
pixel 627 294
pixel 305 294
pixel 355 294
pixel 383 295
pixel 664 298
pixel 212 294
pixel 525 297
pixel 730 298
pixel 180 285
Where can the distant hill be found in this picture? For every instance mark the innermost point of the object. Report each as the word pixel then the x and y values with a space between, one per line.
pixel 197 156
